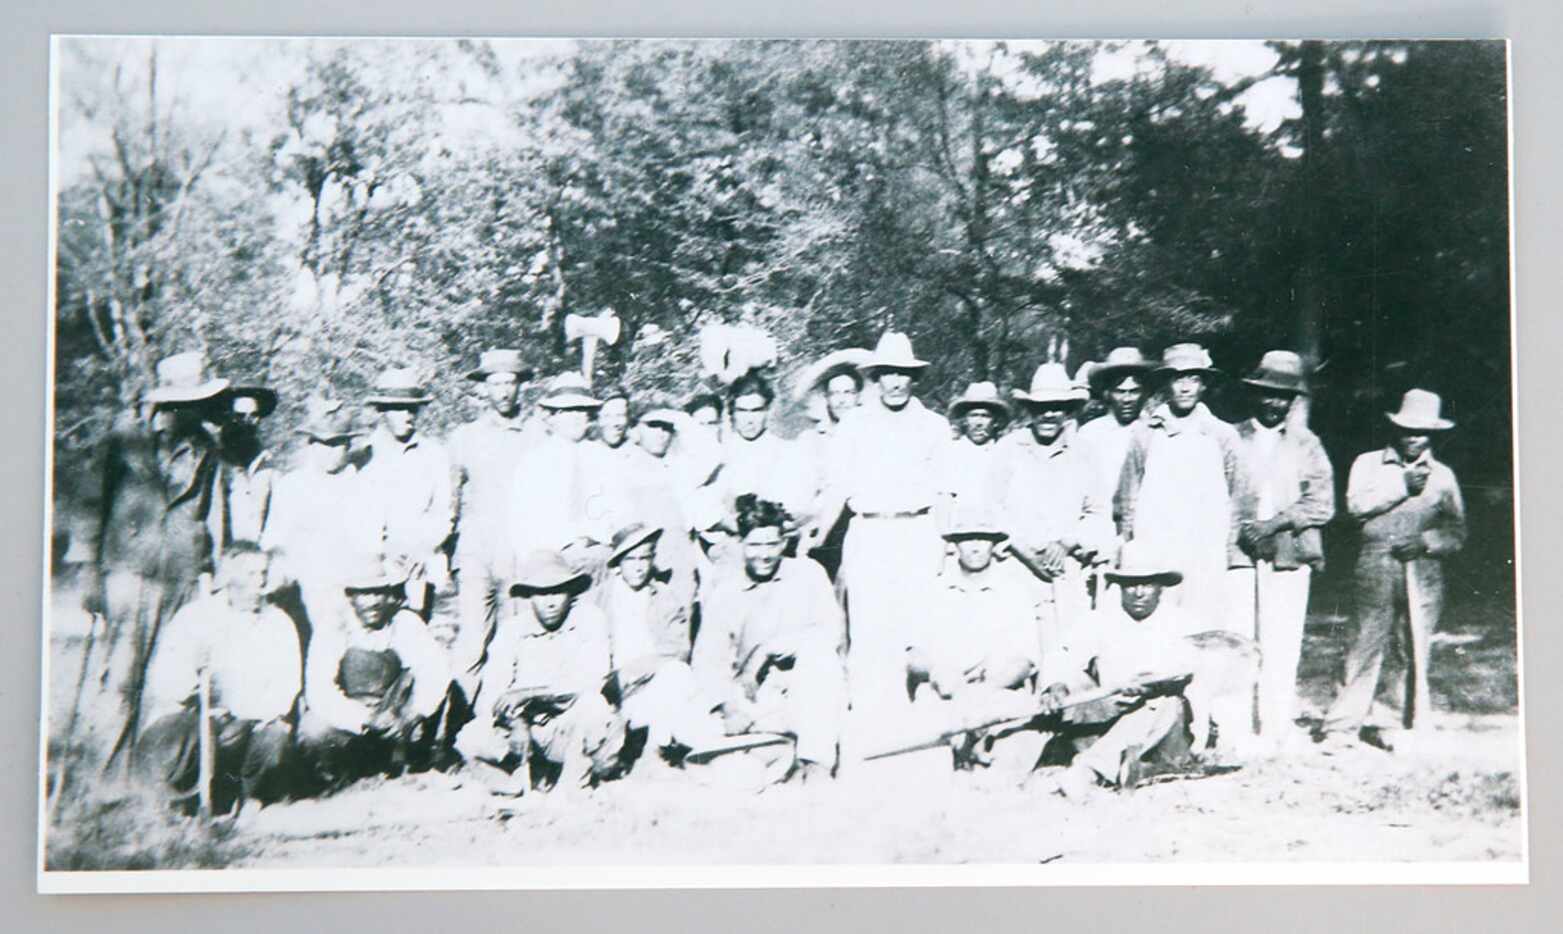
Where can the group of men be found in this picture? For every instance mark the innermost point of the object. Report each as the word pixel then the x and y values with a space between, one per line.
pixel 559 598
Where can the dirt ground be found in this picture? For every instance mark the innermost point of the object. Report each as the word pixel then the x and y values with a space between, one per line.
pixel 1456 797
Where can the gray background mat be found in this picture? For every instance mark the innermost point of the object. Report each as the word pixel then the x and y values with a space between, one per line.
pixel 1537 30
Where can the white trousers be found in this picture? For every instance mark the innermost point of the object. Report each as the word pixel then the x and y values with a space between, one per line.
pixel 1270 606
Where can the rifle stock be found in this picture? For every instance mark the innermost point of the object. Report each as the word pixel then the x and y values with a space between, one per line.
pixel 1150 686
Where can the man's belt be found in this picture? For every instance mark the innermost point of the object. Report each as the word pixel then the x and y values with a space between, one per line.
pixel 909 514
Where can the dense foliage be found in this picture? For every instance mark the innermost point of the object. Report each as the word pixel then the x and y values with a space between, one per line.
pixel 375 203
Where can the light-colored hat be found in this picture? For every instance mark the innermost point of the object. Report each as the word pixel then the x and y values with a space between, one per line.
pixel 375 575
pixel 1280 369
pixel 1120 362
pixel 327 420
pixel 1420 410
pixel 569 391
pixel 500 361
pixel 544 572
pixel 893 352
pixel 1187 358
pixel 1137 564
pixel 182 378
pixel 826 368
pixel 399 386
pixel 983 395
pixel 1051 383
pixel 265 398
pixel 631 537
pixel 973 522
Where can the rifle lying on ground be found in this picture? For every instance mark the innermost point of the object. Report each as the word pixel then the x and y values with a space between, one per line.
pixel 1144 686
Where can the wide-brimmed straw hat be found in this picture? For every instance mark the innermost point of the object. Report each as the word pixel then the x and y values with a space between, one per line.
pixel 491 362
pixel 398 386
pixel 819 373
pixel 1051 383
pixel 1137 564
pixel 1120 362
pixel 893 352
pixel 1281 370
pixel 629 538
pixel 327 420
pixel 1420 410
pixel 182 378
pixel 546 572
pixel 1186 358
pixel 983 395
pixel 569 391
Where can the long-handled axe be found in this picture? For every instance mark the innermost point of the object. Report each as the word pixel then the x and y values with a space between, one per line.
pixel 603 327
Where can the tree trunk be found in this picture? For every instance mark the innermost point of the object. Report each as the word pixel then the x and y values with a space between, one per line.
pixel 1308 297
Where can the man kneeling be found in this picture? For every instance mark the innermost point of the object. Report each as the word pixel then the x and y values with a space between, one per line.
pixel 541 716
pixel 376 682
pixel 242 654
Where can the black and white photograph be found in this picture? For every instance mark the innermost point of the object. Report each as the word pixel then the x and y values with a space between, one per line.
pixel 561 463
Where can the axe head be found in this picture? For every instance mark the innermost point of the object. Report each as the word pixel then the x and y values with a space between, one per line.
pixel 603 327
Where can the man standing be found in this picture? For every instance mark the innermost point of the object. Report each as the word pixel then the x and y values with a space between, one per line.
pixel 979 650
pixel 542 720
pixel 562 496
pixel 768 650
pixel 832 386
pixel 981 417
pixel 1048 490
pixel 484 453
pixel 242 501
pixel 661 495
pixel 150 541
pixel 1181 493
pixel 1293 495
pixel 754 460
pixel 243 655
pixel 409 477
pixel 1119 381
pixel 1412 517
pixel 322 523
pixel 884 468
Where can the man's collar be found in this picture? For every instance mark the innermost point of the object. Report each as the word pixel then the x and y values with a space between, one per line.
pixel 496 420
pixel 534 628
pixel 384 436
pixel 1164 418
pixel 1392 456
pixel 1252 426
pixel 965 582
pixel 750 583
pixel 1059 446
